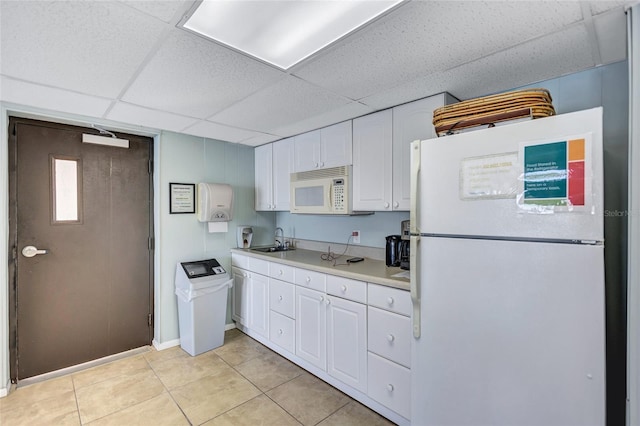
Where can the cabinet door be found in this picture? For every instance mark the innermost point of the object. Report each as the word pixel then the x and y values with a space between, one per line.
pixel 372 161
pixel 306 151
pixel 239 296
pixel 347 342
pixel 311 326
pixel 282 168
pixel 259 304
pixel 263 170
pixel 336 145
pixel 410 122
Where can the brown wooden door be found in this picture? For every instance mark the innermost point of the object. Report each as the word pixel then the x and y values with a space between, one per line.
pixel 90 295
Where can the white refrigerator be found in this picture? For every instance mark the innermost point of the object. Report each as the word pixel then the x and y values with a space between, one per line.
pixel 507 275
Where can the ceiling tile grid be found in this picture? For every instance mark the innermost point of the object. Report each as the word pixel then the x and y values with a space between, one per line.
pixel 191 76
pixel 89 47
pixel 126 61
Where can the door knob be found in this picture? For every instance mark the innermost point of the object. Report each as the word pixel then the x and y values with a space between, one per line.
pixel 30 251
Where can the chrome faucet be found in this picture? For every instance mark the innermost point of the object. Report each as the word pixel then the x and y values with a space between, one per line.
pixel 279 243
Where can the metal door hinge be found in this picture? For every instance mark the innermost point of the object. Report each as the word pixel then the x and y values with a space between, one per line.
pixel 150 320
pixel 150 243
pixel 14 253
pixel 150 167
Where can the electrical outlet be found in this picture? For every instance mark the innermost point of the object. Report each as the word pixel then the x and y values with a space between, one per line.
pixel 355 237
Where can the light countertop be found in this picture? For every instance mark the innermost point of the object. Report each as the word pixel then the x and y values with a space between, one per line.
pixel 369 270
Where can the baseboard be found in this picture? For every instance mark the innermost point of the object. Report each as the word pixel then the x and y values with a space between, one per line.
pixel 176 342
pixel 165 345
pixel 5 390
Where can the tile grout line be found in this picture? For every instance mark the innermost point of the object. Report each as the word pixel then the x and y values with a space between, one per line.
pixel 169 392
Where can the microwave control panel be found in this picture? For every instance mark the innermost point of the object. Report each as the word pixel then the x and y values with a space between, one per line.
pixel 338 195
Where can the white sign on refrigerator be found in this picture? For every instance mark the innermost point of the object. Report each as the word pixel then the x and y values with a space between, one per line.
pixel 489 177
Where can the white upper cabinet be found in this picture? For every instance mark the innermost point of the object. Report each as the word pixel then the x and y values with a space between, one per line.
pixel 372 161
pixel 335 145
pixel 323 148
pixel 263 177
pixel 273 165
pixel 282 169
pixel 307 151
pixel 410 122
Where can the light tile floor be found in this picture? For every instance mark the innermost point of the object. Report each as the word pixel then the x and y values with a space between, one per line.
pixel 239 383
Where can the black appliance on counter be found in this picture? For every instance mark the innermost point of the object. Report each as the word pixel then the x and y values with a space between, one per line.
pixel 392 252
pixel 403 250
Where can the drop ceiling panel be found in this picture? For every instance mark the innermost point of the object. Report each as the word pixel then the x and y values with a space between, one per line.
pixel 537 60
pixel 425 37
pixel 346 112
pixel 260 140
pixel 140 116
pixel 194 77
pixel 23 93
pixel 289 100
pixel 163 10
pixel 611 32
pixel 89 47
pixel 211 130
pixel 598 7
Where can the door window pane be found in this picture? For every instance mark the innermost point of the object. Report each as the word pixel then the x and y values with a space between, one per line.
pixel 65 190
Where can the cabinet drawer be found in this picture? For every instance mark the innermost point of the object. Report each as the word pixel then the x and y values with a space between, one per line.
pixel 347 288
pixel 389 298
pixel 310 279
pixel 239 261
pixel 259 266
pixel 281 272
pixel 389 335
pixel 282 297
pixel 282 331
pixel 390 384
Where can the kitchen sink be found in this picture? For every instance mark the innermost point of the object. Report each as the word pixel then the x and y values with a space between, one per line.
pixel 272 249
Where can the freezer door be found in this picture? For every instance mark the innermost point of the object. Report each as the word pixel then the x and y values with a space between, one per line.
pixel 512 334
pixel 449 175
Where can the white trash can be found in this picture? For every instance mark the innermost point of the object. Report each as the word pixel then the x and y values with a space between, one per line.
pixel 201 290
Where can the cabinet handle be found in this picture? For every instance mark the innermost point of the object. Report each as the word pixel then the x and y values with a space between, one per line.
pixel 280 331
pixel 280 298
pixel 321 298
pixel 280 272
pixel 327 301
pixel 390 387
pixel 386 205
pixel 390 337
pixel 390 300
pixel 396 204
pixel 344 288
pixel 317 165
pixel 321 164
pixel 308 279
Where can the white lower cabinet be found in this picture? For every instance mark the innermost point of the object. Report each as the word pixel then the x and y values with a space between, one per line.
pixel 282 331
pixel 390 384
pixel 259 304
pixel 353 334
pixel 347 342
pixel 311 327
pixel 239 296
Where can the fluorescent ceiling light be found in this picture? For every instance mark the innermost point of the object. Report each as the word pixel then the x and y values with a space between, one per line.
pixel 282 33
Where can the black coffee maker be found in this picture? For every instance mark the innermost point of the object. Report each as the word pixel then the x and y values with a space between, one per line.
pixel 393 250
pixel 403 249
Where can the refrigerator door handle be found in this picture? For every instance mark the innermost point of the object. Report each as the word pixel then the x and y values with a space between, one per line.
pixel 415 237
pixel 415 285
pixel 414 190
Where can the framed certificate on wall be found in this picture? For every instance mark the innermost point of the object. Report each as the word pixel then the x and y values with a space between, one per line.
pixel 182 198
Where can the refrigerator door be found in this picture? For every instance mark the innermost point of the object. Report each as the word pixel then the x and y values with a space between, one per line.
pixel 453 167
pixel 512 334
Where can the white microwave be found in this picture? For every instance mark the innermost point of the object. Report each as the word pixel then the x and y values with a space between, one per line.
pixel 323 191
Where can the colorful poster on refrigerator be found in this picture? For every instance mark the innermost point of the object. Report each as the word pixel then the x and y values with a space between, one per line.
pixel 553 178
